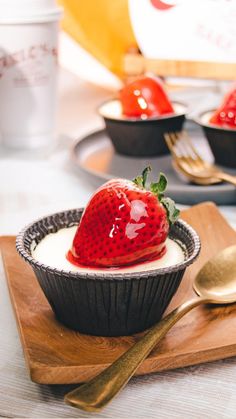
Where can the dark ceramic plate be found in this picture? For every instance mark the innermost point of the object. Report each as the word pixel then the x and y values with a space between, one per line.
pixel 94 157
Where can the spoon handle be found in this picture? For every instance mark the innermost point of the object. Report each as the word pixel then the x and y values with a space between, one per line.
pixel 96 393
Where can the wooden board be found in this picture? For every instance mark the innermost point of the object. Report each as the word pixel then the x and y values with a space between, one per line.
pixel 137 64
pixel 57 355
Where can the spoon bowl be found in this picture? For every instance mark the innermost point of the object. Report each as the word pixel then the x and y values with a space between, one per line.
pixel 215 283
pixel 216 280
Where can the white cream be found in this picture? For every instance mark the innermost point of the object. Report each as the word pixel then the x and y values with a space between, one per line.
pixel 205 118
pixel 53 248
pixel 113 109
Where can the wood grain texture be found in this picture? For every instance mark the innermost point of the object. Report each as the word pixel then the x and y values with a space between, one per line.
pixel 57 355
pixel 136 64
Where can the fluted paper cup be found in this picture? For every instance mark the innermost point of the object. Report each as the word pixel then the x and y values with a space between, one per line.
pixel 106 304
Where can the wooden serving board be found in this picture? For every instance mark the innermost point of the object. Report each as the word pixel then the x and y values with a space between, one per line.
pixel 57 355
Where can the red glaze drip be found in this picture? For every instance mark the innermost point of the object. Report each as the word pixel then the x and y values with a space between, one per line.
pixel 74 261
pixel 121 225
pixel 145 97
pixel 225 116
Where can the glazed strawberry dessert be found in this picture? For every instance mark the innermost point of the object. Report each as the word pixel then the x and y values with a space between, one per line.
pixel 124 224
pixel 225 115
pixel 145 97
pixel 124 227
pixel 112 268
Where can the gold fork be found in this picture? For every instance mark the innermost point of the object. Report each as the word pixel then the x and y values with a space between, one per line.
pixel 190 163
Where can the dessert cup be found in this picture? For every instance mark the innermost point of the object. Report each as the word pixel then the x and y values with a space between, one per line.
pixel 222 141
pixel 139 137
pixel 110 304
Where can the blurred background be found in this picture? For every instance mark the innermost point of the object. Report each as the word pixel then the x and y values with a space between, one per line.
pixel 61 60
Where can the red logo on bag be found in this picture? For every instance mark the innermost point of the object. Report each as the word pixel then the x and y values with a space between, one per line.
pixel 161 5
pixel 29 54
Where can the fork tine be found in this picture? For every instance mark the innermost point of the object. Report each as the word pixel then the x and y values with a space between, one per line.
pixel 188 152
pixel 170 141
pixel 188 160
pixel 190 145
pixel 178 144
pixel 179 151
pixel 168 138
pixel 182 151
pixel 173 142
pixel 175 136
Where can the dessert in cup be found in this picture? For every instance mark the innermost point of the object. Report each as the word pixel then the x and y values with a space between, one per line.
pixel 220 129
pixel 137 120
pixel 112 268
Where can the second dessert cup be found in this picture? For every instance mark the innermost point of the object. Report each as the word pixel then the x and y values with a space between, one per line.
pixel 222 140
pixel 137 137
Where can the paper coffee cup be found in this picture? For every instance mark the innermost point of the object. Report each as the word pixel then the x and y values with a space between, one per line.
pixel 28 72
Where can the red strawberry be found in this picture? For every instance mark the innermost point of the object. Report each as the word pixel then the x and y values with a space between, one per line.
pixel 145 97
pixel 124 224
pixel 225 116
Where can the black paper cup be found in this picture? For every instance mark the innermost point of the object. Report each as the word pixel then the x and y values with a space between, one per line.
pixel 109 304
pixel 222 141
pixel 141 137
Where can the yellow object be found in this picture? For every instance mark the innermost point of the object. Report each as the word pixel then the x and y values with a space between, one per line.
pixel 102 27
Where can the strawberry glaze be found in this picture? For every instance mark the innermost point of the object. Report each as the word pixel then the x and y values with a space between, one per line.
pixel 122 225
pixel 145 97
pixel 75 262
pixel 225 116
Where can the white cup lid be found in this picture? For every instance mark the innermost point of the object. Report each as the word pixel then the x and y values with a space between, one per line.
pixel 28 11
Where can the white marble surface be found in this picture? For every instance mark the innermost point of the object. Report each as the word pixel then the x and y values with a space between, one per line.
pixel 35 185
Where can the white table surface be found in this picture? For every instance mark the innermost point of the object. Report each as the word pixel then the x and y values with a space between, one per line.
pixel 34 185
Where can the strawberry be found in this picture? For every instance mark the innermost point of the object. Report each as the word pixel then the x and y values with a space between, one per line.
pixel 124 224
pixel 145 97
pixel 225 116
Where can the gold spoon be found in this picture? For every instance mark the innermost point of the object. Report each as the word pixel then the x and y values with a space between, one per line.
pixel 215 283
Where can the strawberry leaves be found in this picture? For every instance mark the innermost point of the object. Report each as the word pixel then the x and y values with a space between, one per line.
pixel 172 211
pixel 141 180
pixel 158 188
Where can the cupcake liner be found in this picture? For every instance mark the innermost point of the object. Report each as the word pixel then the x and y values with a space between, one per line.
pixel 110 304
pixel 223 145
pixel 222 140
